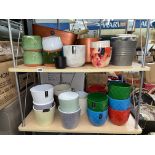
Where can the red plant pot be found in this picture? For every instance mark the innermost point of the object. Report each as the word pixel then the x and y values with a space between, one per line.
pixel 118 117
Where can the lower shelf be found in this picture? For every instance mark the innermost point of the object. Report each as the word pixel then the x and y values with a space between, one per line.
pixel 83 127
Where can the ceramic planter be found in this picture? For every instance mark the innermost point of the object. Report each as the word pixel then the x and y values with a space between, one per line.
pixel 101 53
pixel 97 102
pixel 69 101
pixel 32 59
pixel 69 120
pixel 82 101
pixel 42 93
pixel 118 117
pixel 75 55
pixel 52 43
pixel 119 90
pixel 31 43
pixel 49 58
pixel 44 117
pixel 87 43
pixel 97 118
pixel 119 104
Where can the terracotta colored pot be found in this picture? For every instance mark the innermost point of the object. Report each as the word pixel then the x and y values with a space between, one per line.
pixel 118 117
pixel 87 42
pixel 67 38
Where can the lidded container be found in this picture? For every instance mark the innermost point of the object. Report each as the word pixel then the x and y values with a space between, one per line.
pixel 75 55
pixel 101 53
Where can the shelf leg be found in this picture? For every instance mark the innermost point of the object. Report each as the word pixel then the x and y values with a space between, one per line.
pixel 16 77
pixel 140 99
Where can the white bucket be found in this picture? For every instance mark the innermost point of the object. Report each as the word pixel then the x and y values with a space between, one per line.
pixel 42 93
pixel 44 117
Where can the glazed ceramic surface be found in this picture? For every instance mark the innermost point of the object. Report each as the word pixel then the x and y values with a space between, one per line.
pixel 75 55
pixel 51 43
pixel 70 120
pixel 31 42
pixel 32 58
pixel 42 93
pixel 97 118
pixel 69 101
pixel 44 117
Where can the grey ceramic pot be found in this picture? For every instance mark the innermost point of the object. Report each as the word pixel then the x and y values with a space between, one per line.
pixel 70 120
pixel 43 106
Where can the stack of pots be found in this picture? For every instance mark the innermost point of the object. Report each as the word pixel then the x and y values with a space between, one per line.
pixel 97 108
pixel 75 55
pixel 32 47
pixel 119 102
pixel 124 49
pixel 43 104
pixel 87 43
pixel 52 47
pixel 69 109
pixel 101 53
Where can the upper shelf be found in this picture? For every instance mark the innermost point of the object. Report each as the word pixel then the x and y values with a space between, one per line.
pixel 88 68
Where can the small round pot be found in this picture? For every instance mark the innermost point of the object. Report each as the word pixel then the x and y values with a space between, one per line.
pixel 44 117
pixel 48 58
pixel 75 55
pixel 82 101
pixel 119 104
pixel 58 89
pixel 96 88
pixel 32 43
pixel 118 117
pixel 97 118
pixel 69 101
pixel 119 90
pixel 42 93
pixel 69 120
pixel 51 43
pixel 60 62
pixel 97 102
pixel 43 106
pixel 32 59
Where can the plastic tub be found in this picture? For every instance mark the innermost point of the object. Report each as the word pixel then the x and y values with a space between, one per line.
pixel 70 120
pixel 43 106
pixel 82 101
pixel 119 104
pixel 97 102
pixel 69 101
pixel 42 93
pixel 32 42
pixel 44 117
pixel 97 118
pixel 75 55
pixel 118 117
pixel 119 90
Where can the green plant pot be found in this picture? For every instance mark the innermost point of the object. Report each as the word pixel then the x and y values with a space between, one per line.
pixel 32 58
pixel 118 90
pixel 48 58
pixel 97 102
pixel 31 42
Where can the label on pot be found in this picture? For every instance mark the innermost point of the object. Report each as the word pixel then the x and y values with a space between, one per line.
pixel 40 70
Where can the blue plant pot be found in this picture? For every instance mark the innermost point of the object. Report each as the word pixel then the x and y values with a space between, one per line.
pixel 97 118
pixel 119 104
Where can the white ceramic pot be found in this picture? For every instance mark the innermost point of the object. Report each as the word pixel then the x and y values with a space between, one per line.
pixel 83 101
pixel 44 117
pixel 75 55
pixel 69 101
pixel 99 44
pixel 42 93
pixel 51 43
pixel 43 106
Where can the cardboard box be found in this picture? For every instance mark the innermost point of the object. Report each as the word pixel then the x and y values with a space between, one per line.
pixel 8 91
pixel 5 51
pixel 150 75
pixel 76 80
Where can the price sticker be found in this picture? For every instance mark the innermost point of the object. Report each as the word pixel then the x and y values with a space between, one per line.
pixel 40 69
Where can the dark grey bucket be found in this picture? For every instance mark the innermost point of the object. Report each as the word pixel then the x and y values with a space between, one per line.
pixel 70 120
pixel 123 52
pixel 42 107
